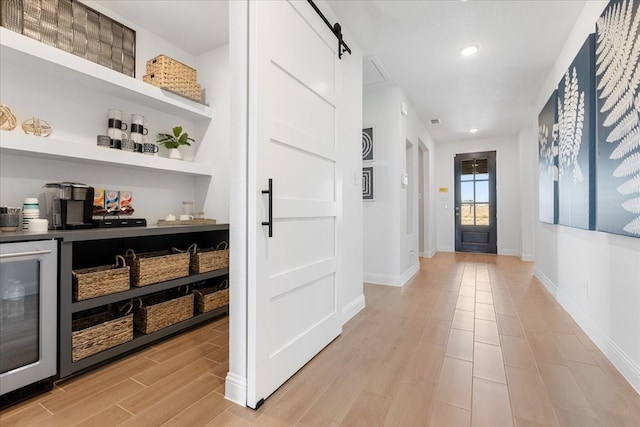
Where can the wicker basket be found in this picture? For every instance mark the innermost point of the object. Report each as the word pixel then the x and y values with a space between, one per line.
pixel 99 281
pixel 203 260
pixel 162 63
pixel 208 299
pixel 96 333
pixel 155 267
pixel 187 88
pixel 158 311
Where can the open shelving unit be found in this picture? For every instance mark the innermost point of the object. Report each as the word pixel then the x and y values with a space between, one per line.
pixel 92 247
pixel 25 53
pixel 30 53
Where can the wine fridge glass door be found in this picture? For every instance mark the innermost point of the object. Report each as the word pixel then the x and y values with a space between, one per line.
pixel 28 300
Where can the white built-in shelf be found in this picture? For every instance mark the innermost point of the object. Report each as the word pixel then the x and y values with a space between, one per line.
pixel 16 142
pixel 32 54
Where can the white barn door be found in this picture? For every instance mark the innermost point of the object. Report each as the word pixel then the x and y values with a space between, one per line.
pixel 292 286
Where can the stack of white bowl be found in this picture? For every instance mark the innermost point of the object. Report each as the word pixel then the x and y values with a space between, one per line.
pixel 38 225
pixel 30 210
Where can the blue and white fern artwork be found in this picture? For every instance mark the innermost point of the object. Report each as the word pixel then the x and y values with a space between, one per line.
pixel 548 162
pixel 618 105
pixel 576 141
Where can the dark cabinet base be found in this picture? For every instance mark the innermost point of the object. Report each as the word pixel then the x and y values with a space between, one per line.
pixel 99 248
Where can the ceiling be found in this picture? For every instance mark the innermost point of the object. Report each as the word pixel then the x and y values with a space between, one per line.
pixel 418 44
pixel 195 26
pixel 415 45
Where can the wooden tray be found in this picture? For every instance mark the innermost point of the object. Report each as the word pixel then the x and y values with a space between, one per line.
pixel 203 221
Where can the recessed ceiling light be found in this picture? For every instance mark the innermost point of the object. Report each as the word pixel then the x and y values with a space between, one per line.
pixel 473 130
pixel 469 50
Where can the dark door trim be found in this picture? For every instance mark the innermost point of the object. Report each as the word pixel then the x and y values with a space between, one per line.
pixel 477 232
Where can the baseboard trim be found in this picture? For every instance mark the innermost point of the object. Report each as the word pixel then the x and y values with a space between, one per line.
pixel 392 279
pixel 411 271
pixel 527 257
pixel 235 389
pixel 627 367
pixel 382 279
pixel 429 254
pixel 353 308
pixel 509 252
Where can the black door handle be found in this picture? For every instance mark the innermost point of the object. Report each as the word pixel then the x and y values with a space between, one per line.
pixel 270 193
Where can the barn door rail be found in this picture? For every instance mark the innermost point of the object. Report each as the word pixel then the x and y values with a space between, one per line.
pixel 336 29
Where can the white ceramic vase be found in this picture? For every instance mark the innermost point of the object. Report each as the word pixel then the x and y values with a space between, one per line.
pixel 174 153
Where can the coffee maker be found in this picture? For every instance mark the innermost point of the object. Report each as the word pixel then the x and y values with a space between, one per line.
pixel 69 205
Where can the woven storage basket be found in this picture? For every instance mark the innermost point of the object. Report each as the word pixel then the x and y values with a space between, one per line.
pixel 208 299
pixel 203 260
pixel 161 310
pixel 98 281
pixel 99 332
pixel 162 79
pixel 165 64
pixel 155 267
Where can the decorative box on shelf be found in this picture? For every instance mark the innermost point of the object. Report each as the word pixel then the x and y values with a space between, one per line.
pixel 73 27
pixel 157 311
pixel 174 76
pixel 154 267
pixel 99 332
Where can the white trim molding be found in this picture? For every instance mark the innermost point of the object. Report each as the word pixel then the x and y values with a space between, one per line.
pixel 627 367
pixel 353 308
pixel 392 279
pixel 235 389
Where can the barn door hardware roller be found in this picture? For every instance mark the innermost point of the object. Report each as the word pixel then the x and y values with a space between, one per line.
pixel 336 29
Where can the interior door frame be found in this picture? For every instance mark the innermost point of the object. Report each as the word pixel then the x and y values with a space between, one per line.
pixel 492 246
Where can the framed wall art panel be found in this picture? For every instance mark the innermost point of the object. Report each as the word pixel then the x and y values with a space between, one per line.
pixel 367 183
pixel 576 141
pixel 618 118
pixel 548 161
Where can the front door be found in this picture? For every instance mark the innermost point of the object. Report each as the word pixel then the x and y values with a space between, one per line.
pixel 292 286
pixel 475 210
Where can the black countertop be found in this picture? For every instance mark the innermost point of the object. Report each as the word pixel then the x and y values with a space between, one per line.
pixel 106 233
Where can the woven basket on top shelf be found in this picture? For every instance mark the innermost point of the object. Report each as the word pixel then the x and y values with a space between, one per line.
pixel 165 64
pixel 155 267
pixel 164 80
pixel 99 281
pixel 208 299
pixel 203 260
pixel 155 312
pixel 99 332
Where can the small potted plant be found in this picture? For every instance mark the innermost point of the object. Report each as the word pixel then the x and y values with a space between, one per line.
pixel 172 142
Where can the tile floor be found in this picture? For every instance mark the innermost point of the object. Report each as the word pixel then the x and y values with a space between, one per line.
pixel 471 340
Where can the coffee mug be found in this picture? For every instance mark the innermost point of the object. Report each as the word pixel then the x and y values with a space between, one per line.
pixel 136 128
pixel 128 145
pixel 137 147
pixel 149 148
pixel 115 119
pixel 104 141
pixel 9 221
pixel 186 217
pixel 170 217
pixel 117 134
pixel 115 143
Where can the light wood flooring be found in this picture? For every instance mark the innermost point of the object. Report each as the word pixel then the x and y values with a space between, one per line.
pixel 471 340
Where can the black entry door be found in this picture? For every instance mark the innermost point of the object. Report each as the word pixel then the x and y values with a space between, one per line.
pixel 475 177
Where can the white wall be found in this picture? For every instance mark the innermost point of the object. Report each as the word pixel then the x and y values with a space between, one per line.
pixel 528 192
pixel 595 276
pixel 390 252
pixel 381 217
pixel 214 69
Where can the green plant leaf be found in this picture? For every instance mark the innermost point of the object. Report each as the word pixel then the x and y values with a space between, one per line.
pixel 177 131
